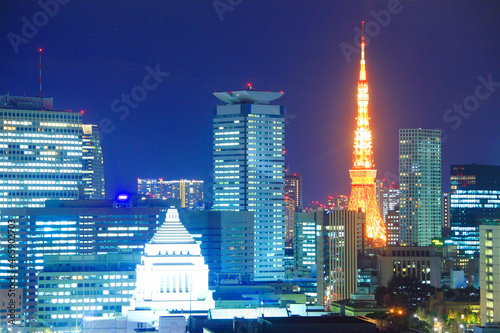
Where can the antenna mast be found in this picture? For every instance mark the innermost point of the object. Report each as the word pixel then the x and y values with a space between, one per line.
pixel 40 72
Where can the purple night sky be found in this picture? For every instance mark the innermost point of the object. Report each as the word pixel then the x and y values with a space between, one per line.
pixel 430 65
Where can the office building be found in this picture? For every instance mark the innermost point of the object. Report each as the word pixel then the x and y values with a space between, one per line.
pixel 421 262
pixel 93 165
pixel 339 202
pixel 188 192
pixel 363 172
pixel 304 244
pixel 392 221
pixel 74 227
pixel 339 238
pixel 71 287
pixel 151 187
pixel 40 152
pixel 490 272
pixel 420 186
pixel 474 197
pixel 226 240
pixel 249 165
pixel 389 200
pixel 293 188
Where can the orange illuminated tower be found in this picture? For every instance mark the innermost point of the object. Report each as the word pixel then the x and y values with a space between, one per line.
pixel 363 171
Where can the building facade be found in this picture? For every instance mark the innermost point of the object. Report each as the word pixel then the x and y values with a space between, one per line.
pixel 249 166
pixel 421 262
pixel 226 240
pixel 293 188
pixel 74 227
pixel 420 186
pixel 339 238
pixel 289 219
pixel 489 267
pixel 71 287
pixel 392 221
pixel 93 164
pixel 40 152
pixel 304 244
pixel 474 197
pixel 445 214
pixel 390 199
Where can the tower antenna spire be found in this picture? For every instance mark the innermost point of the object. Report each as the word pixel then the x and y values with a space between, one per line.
pixel 363 173
pixel 40 50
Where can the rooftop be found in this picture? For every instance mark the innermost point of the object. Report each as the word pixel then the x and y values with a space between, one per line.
pixel 248 96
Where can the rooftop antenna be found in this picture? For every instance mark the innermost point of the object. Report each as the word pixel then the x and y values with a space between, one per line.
pixel 40 50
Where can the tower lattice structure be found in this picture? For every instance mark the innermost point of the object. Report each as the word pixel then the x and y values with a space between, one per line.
pixel 363 173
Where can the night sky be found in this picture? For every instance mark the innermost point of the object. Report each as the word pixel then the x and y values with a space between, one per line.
pixel 421 60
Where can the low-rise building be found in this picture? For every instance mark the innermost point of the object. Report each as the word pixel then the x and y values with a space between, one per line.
pixel 419 261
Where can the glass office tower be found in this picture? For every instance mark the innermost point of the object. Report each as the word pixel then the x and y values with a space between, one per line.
pixel 420 186
pixel 474 198
pixel 40 152
pixel 249 167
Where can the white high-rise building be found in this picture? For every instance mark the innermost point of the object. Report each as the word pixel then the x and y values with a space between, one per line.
pixel 249 170
pixel 40 152
pixel 420 186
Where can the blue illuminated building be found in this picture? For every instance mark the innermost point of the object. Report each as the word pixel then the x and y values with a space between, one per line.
pixel 249 171
pixel 475 198
pixel 75 227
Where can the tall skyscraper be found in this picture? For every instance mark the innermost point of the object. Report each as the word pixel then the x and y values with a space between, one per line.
pixel 249 166
pixel 363 173
pixel 474 197
pixel 420 186
pixel 93 164
pixel 40 152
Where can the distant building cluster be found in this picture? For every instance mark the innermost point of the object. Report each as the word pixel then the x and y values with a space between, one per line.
pixel 189 192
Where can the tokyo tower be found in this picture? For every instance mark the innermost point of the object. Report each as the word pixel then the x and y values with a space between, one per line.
pixel 363 173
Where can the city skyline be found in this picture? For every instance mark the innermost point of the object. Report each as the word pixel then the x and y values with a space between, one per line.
pixel 421 64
